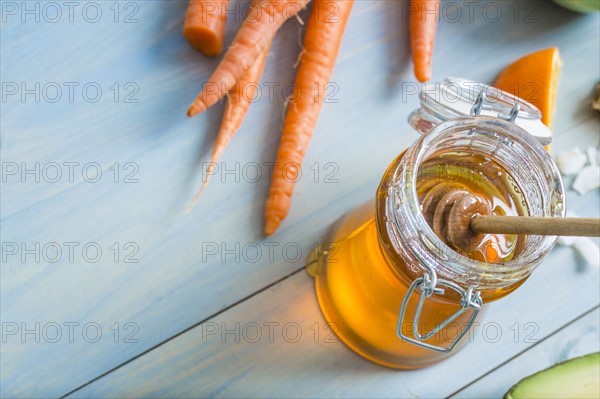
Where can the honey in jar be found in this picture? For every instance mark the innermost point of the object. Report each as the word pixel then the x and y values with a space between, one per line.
pixel 402 278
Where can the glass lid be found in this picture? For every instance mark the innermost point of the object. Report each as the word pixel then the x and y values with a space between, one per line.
pixel 458 97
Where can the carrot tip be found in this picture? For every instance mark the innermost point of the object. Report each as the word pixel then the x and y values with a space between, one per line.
pixel 270 226
pixel 195 109
pixel 189 208
pixel 422 76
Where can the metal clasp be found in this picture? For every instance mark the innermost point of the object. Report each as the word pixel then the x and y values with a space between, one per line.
pixel 457 97
pixel 428 284
pixel 479 104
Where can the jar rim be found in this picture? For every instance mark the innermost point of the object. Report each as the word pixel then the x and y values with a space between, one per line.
pixel 415 225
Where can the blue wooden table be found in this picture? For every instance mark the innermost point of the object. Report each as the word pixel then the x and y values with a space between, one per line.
pixel 109 290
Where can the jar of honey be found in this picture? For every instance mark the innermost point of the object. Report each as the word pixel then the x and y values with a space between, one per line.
pixel 402 279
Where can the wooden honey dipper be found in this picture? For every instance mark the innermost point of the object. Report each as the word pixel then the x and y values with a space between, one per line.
pixel 462 218
pixel 543 226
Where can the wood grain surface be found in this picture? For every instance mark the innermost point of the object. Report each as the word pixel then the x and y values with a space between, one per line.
pixel 100 265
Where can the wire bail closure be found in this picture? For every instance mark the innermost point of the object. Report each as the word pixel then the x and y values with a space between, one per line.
pixel 455 97
pixel 429 285
pixel 480 102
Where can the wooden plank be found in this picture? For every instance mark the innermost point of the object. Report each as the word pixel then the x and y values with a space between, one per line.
pixel 177 281
pixel 576 339
pixel 277 344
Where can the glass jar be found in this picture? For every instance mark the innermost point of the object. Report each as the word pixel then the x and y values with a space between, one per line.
pixel 391 289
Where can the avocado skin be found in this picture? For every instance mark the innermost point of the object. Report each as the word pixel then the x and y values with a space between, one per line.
pixel 584 6
pixel 562 376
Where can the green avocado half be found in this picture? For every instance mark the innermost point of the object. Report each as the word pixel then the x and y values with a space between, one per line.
pixel 580 5
pixel 575 378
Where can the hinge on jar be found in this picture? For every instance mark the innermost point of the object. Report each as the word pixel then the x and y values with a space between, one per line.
pixel 428 285
pixel 480 101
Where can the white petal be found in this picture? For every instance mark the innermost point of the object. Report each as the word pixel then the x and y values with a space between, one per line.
pixel 588 250
pixel 588 179
pixel 571 162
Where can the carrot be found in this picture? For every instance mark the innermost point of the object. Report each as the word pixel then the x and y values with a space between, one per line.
pixel 238 102
pixel 258 29
pixel 321 46
pixel 204 25
pixel 423 24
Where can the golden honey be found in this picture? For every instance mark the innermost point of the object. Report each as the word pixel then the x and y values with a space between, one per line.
pixel 360 285
pixel 402 279
pixel 478 177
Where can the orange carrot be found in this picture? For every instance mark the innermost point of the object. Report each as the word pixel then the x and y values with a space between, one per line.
pixel 204 25
pixel 262 22
pixel 238 102
pixel 321 46
pixel 423 24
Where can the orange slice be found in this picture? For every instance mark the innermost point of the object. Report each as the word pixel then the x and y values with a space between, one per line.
pixel 534 78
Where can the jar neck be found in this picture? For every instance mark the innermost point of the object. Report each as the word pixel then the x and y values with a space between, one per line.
pixel 502 142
